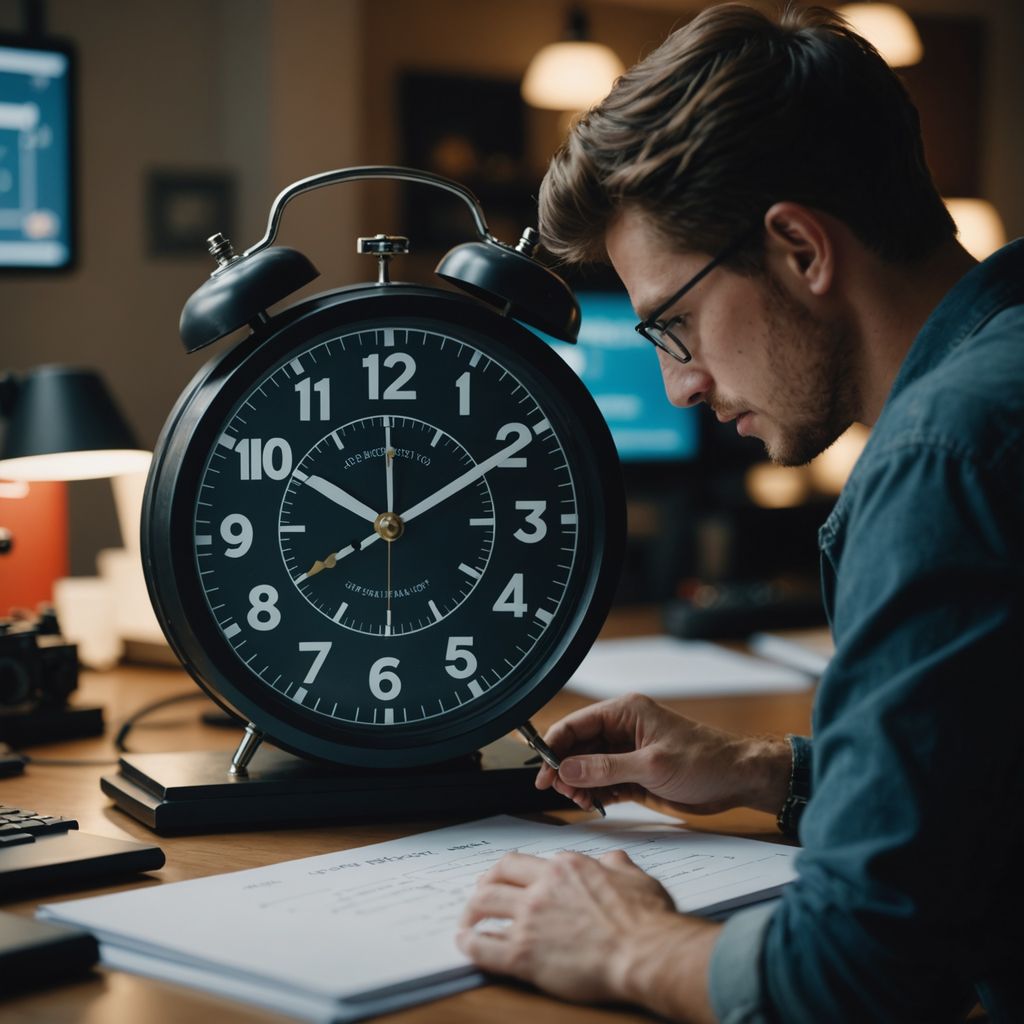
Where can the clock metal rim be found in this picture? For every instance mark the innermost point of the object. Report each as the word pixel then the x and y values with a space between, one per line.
pixel 182 448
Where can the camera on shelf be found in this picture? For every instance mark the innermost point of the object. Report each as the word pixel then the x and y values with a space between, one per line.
pixel 38 667
pixel 38 673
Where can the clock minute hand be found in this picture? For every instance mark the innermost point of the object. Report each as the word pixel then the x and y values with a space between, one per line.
pixel 334 493
pixel 466 479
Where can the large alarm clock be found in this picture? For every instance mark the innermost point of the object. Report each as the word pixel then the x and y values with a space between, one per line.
pixel 385 527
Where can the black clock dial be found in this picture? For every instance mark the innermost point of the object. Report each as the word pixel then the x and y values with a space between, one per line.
pixel 331 519
pixel 386 528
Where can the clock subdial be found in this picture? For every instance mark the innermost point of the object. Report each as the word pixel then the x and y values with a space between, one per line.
pixel 335 515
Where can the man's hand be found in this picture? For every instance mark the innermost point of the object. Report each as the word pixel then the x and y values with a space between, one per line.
pixel 590 931
pixel 631 748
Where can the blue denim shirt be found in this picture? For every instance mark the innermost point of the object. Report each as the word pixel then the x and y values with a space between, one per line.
pixel 910 897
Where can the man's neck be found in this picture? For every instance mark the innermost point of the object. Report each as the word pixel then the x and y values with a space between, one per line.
pixel 895 303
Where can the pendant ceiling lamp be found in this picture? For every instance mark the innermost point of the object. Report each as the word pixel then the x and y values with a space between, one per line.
pixel 574 74
pixel 888 29
pixel 978 225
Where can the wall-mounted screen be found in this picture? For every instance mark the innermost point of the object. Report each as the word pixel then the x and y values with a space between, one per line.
pixel 621 371
pixel 36 143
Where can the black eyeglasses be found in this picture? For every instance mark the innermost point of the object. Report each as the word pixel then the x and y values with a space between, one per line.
pixel 660 332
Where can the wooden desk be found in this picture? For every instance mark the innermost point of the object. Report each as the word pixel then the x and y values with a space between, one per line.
pixel 75 792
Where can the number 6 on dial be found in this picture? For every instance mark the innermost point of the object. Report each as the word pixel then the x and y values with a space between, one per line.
pixel 385 684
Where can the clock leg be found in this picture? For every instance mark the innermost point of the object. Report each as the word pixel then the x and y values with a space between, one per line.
pixel 243 755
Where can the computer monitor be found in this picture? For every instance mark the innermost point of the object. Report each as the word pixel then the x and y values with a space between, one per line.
pixel 36 156
pixel 620 370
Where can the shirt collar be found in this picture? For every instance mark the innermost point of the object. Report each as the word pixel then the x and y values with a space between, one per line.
pixel 979 295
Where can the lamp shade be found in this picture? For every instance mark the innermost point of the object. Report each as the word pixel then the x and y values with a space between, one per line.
pixel 63 424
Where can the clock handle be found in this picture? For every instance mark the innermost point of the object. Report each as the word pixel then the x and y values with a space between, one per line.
pixel 316 181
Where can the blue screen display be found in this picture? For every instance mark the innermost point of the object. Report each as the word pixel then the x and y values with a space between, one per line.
pixel 620 369
pixel 35 158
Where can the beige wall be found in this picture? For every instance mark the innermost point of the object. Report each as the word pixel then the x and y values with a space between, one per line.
pixel 273 90
pixel 265 89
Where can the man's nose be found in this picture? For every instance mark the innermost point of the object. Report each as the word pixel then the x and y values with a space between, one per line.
pixel 685 384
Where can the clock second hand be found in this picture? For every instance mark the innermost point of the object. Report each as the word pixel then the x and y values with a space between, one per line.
pixel 389 546
pixel 389 469
pixel 389 473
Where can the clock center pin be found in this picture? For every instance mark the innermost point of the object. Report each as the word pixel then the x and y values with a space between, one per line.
pixel 389 526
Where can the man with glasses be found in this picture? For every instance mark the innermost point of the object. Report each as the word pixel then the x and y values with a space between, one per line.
pixel 759 186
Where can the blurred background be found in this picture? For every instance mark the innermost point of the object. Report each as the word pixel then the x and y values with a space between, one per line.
pixel 190 116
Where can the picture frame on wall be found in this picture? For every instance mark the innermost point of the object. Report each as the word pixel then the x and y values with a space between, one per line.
pixel 183 208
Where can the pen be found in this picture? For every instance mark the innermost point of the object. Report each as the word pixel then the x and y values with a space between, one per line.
pixel 547 755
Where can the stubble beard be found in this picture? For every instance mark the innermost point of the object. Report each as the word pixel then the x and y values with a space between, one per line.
pixel 814 400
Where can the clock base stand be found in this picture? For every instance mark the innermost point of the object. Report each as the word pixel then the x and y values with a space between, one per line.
pixel 191 791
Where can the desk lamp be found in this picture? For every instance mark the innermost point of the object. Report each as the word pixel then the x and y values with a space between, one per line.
pixel 62 424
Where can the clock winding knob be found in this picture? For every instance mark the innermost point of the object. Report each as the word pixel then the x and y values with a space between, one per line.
pixel 528 241
pixel 384 247
pixel 221 249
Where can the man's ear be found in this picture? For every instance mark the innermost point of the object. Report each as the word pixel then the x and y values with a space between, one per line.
pixel 800 239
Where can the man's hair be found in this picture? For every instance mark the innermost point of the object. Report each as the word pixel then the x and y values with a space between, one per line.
pixel 738 110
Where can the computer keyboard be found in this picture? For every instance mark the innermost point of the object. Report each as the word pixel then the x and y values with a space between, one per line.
pixel 44 850
pixel 18 826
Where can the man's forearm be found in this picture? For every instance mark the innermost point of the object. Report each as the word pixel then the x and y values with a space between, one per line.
pixel 663 965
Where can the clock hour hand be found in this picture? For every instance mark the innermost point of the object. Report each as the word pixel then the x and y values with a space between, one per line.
pixel 477 471
pixel 334 493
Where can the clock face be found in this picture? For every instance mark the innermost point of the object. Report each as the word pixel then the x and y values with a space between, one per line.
pixel 386 528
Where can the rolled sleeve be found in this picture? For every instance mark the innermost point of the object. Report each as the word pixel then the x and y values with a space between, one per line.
pixel 799 791
pixel 735 982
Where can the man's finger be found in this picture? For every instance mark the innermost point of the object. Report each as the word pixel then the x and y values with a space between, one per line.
pixel 487 950
pixel 515 869
pixel 545 777
pixel 581 726
pixel 617 859
pixel 588 771
pixel 491 900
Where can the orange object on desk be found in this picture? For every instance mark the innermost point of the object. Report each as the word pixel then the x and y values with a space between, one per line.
pixel 36 514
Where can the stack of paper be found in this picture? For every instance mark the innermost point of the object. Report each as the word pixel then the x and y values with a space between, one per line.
pixel 360 932
pixel 664 667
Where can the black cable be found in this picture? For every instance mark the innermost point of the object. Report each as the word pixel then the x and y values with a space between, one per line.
pixel 119 739
pixel 126 727
pixel 73 762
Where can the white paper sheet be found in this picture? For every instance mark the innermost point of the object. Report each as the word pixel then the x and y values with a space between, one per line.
pixel 665 667
pixel 349 934
pixel 806 650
